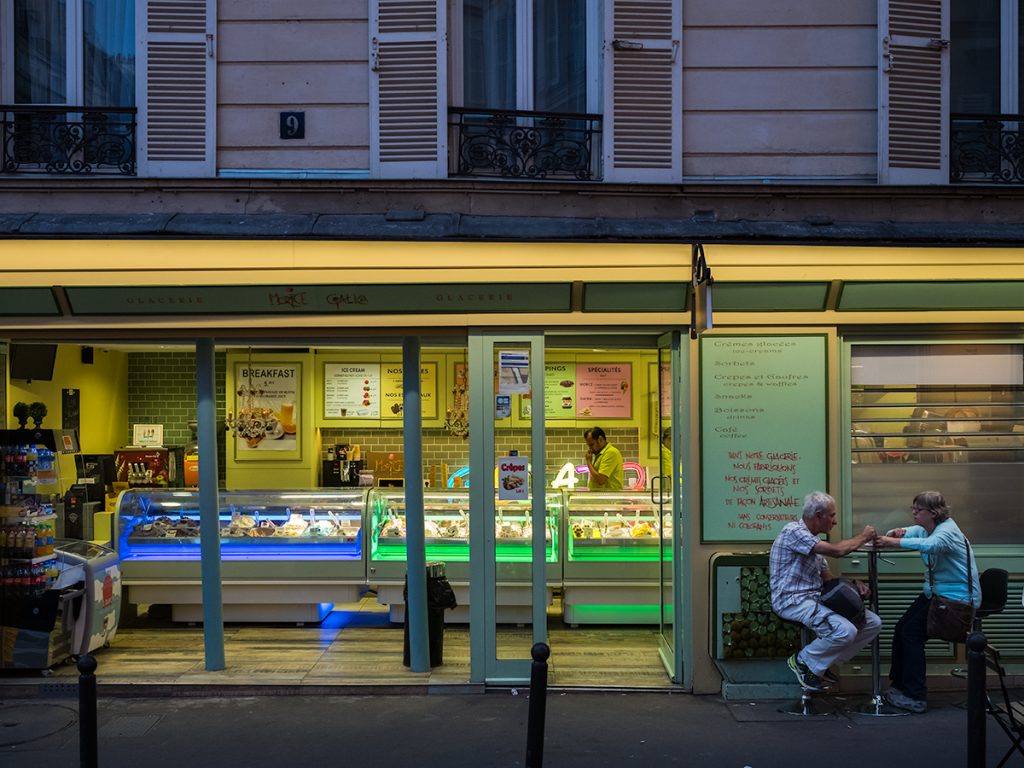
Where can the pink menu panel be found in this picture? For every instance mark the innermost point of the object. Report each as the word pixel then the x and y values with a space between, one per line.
pixel 604 390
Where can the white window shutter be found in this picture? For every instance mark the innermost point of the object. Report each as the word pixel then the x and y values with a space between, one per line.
pixel 643 91
pixel 913 99
pixel 408 101
pixel 175 84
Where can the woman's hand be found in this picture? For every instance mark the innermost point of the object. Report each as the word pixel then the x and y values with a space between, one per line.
pixel 897 533
pixel 887 542
pixel 863 589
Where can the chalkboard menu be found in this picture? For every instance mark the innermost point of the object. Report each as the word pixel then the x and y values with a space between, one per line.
pixel 763 432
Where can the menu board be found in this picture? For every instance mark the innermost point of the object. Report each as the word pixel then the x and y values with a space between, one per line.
pixel 392 390
pixel 604 390
pixel 763 431
pixel 352 390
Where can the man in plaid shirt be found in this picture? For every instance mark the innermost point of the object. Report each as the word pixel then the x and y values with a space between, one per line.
pixel 798 569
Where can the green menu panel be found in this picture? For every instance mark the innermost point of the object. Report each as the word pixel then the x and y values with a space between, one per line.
pixel 763 432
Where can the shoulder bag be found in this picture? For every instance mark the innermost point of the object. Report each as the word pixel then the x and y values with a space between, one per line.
pixel 841 596
pixel 951 620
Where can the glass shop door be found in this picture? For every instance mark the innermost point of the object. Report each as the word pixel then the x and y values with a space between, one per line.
pixel 513 535
pixel 667 494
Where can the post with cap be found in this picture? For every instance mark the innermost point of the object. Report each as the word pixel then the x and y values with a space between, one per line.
pixel 976 644
pixel 88 749
pixel 538 705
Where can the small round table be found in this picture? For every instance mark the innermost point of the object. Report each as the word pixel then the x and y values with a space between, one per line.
pixel 875 706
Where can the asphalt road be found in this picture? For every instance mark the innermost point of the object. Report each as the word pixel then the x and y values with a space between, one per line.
pixel 444 730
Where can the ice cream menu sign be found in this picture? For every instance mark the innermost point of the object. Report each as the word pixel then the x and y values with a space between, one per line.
pixel 763 430
pixel 352 390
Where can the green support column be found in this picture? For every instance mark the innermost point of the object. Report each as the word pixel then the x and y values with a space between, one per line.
pixel 209 507
pixel 416 553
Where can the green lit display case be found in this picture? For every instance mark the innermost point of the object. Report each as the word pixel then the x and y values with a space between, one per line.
pixel 446 533
pixel 617 543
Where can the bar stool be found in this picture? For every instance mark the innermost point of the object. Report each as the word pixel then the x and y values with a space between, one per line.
pixel 808 705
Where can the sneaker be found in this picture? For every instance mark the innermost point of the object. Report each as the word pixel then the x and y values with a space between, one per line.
pixel 900 700
pixel 830 677
pixel 807 679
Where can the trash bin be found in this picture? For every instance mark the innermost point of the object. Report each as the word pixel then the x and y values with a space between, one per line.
pixel 440 596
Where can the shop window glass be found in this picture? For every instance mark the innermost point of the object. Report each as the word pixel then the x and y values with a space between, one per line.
pixel 945 417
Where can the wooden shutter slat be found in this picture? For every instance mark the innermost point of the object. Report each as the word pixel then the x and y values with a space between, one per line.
pixel 913 92
pixel 177 87
pixel 642 113
pixel 407 89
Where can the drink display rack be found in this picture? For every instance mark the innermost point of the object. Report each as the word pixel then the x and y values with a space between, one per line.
pixel 29 478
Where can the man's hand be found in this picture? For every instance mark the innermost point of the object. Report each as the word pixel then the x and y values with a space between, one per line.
pixel 868 534
pixel 887 542
pixel 863 589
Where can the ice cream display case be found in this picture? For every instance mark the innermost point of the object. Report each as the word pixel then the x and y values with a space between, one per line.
pixel 446 531
pixel 285 555
pixel 615 543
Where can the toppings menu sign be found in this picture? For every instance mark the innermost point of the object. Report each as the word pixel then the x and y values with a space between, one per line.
pixel 763 431
pixel 604 390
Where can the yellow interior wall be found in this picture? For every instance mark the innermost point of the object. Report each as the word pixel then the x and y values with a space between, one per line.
pixel 103 401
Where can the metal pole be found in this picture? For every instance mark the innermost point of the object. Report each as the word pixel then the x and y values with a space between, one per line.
pixel 976 700
pixel 209 507
pixel 88 746
pixel 416 553
pixel 538 705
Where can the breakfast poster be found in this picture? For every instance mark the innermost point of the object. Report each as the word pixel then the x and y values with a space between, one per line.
pixel 266 401
pixel 604 390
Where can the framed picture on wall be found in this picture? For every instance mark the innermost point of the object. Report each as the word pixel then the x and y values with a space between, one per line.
pixel 266 412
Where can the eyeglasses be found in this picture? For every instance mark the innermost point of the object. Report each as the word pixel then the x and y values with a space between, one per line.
pixel 915 510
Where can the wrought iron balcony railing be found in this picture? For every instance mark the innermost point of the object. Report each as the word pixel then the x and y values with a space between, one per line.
pixel 986 149
pixel 68 139
pixel 525 145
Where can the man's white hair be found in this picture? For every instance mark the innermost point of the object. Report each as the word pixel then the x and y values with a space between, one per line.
pixel 816 502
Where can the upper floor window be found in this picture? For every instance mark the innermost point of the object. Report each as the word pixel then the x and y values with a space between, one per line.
pixel 70 52
pixel 986 47
pixel 529 55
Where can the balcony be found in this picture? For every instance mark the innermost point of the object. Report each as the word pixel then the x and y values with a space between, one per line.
pixel 986 149
pixel 68 140
pixel 516 144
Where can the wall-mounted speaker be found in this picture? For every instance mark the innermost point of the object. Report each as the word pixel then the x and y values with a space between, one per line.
pixel 87 355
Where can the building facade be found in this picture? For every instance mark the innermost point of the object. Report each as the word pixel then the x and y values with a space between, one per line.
pixel 182 170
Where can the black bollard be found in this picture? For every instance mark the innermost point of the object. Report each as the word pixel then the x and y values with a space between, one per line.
pixel 976 700
pixel 538 705
pixel 88 746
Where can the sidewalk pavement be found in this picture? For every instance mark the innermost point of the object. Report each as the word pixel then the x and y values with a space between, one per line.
pixel 485 729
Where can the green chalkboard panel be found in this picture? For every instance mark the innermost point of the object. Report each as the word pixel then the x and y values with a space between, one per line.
pixel 763 432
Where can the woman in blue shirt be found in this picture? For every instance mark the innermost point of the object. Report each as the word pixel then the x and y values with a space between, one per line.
pixel 944 547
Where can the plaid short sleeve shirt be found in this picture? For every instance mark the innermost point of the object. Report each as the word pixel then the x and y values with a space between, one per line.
pixel 795 571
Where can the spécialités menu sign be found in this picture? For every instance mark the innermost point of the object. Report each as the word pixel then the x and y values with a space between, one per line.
pixel 763 430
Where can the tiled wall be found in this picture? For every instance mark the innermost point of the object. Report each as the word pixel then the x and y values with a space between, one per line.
pixel 162 390
pixel 561 445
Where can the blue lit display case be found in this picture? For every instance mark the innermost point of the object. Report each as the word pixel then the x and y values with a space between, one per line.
pixel 285 555
pixel 446 532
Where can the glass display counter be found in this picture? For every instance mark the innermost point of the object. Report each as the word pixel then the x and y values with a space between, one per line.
pixel 285 555
pixel 615 544
pixel 446 532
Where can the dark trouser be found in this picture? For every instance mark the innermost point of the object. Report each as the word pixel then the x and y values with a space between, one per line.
pixel 908 663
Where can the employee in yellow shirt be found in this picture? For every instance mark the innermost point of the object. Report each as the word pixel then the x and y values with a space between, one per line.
pixel 603 461
pixel 666 455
